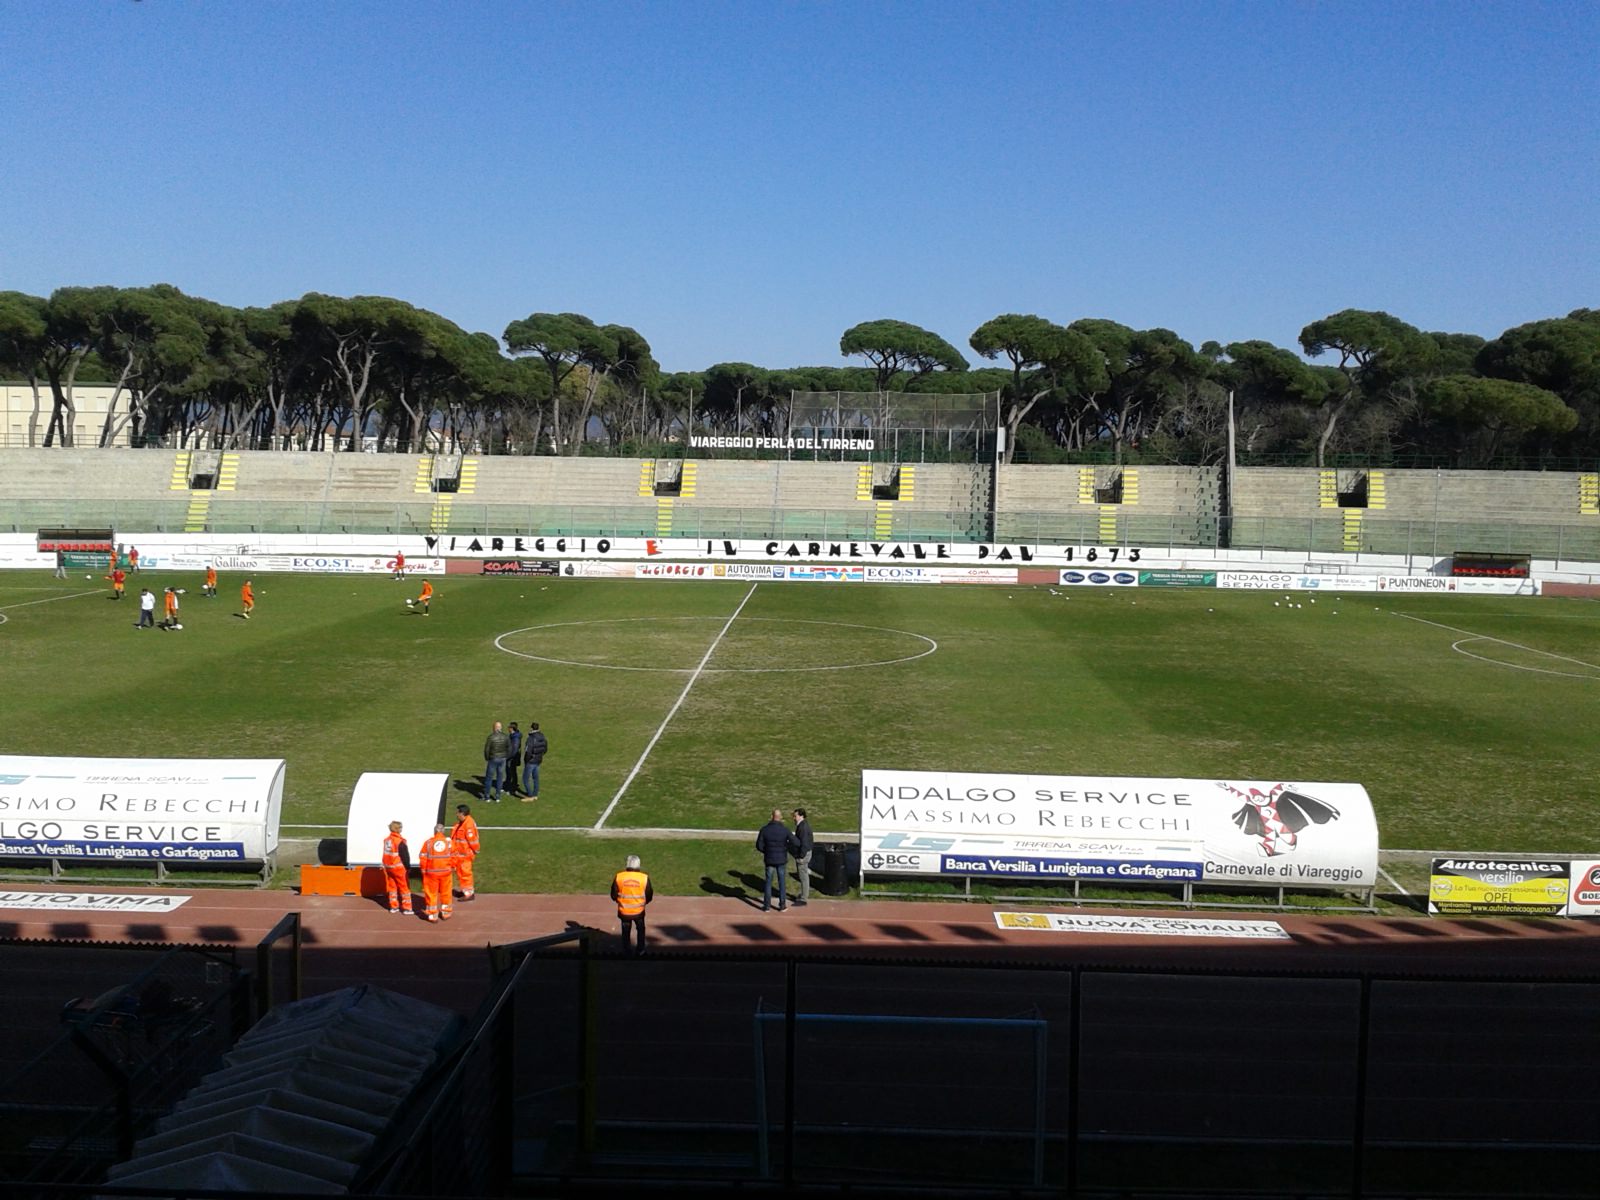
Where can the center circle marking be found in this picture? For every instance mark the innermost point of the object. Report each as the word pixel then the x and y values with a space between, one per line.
pixel 929 647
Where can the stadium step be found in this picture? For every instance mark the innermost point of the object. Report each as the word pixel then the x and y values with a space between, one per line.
pixel 1085 485
pixel 424 482
pixel 687 479
pixel 1327 489
pixel 1589 495
pixel 467 481
pixel 647 477
pixel 883 520
pixel 864 481
pixel 180 471
pixel 664 516
pixel 908 483
pixel 1377 493
pixel 1352 529
pixel 228 473
pixel 194 521
pixel 439 519
pixel 1108 524
pixel 1130 485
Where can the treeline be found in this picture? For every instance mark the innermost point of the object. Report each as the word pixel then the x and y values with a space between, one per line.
pixel 327 372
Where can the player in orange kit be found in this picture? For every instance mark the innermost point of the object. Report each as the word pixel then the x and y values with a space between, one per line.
pixel 210 588
pixel 247 596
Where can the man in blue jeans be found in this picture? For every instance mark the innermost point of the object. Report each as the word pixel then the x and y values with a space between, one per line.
pixel 496 748
pixel 534 747
pixel 775 841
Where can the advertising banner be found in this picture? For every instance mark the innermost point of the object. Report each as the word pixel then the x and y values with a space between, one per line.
pixel 321 564
pixel 734 550
pixel 1497 887
pixel 1178 579
pixel 1100 578
pixel 1124 926
pixel 1584 900
pixel 1112 829
pixel 415 799
pixel 520 566
pixel 140 810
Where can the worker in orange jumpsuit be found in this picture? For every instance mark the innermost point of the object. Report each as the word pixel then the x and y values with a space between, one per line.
pixel 247 596
pixel 394 870
pixel 464 842
pixel 437 857
pixel 210 588
pixel 119 579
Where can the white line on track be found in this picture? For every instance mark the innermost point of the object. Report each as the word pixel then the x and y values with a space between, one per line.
pixel 673 711
pixel 1484 637
pixel 48 599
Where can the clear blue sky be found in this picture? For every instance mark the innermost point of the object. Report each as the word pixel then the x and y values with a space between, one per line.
pixel 744 181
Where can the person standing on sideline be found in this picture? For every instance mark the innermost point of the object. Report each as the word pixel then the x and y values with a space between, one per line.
pixel 802 844
pixel 147 609
pixel 436 865
pixel 514 759
pixel 169 615
pixel 119 580
pixel 247 597
pixel 394 870
pixel 399 564
pixel 496 748
pixel 133 559
pixel 61 563
pixel 774 842
pixel 534 747
pixel 464 846
pixel 209 588
pixel 632 891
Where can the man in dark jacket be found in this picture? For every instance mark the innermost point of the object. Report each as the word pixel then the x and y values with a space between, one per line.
pixel 775 841
pixel 534 747
pixel 803 844
pixel 496 748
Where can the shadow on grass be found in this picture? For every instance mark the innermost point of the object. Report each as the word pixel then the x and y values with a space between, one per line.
pixel 740 893
pixel 472 787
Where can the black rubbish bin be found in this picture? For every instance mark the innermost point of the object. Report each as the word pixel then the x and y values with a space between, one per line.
pixel 834 880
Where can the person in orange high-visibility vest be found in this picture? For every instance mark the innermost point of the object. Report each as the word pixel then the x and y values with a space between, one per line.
pixel 437 857
pixel 394 870
pixel 210 588
pixel 632 891
pixel 464 841
pixel 247 597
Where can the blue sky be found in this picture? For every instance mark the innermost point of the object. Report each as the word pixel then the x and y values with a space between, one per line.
pixel 744 181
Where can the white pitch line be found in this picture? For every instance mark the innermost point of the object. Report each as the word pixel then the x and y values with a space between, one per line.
pixel 1395 882
pixel 48 599
pixel 1484 637
pixel 673 711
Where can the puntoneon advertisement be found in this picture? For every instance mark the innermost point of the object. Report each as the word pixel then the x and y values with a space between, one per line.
pixel 1109 829
pixel 171 811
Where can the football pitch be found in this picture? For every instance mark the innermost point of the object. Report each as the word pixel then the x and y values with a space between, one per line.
pixel 684 710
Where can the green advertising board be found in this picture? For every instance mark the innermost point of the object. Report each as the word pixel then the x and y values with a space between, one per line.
pixel 1177 579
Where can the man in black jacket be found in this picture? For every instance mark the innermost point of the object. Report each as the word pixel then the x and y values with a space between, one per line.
pixel 774 841
pixel 802 843
pixel 534 747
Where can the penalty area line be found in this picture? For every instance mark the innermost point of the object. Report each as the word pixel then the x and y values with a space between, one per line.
pixel 673 711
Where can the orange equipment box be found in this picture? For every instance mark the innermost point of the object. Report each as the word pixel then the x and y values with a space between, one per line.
pixel 341 881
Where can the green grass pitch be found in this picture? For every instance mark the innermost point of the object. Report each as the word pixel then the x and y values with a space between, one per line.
pixel 1470 720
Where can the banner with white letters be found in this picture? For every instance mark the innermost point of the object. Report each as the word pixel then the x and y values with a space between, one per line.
pixel 140 810
pixel 1118 830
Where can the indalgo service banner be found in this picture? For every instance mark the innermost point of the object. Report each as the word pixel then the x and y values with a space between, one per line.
pixel 1275 833
pixel 149 810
